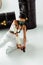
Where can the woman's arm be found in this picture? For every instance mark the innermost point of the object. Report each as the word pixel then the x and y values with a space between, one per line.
pixel 24 35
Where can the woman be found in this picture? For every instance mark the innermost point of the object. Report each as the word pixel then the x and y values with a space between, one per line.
pixel 22 26
pixel 12 36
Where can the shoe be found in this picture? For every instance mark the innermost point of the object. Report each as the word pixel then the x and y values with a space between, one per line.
pixel 23 49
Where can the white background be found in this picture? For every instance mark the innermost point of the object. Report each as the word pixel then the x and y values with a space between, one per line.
pixel 12 5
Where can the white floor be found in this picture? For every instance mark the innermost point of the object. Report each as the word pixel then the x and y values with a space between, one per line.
pixel 34 50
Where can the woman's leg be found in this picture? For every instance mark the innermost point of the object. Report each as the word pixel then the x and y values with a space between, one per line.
pixel 11 44
pixel 5 39
pixel 11 47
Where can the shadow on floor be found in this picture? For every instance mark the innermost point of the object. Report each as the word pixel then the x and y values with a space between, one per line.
pixel 30 52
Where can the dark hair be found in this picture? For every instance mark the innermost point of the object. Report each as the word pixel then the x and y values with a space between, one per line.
pixel 22 15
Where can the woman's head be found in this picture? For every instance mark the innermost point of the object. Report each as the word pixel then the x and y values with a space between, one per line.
pixel 17 24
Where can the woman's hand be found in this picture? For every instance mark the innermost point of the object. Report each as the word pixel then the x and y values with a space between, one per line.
pixel 19 46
